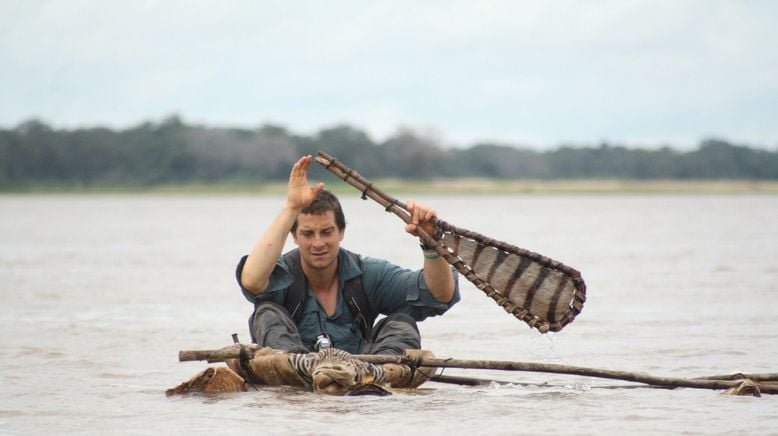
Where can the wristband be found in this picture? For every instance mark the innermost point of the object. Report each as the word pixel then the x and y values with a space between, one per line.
pixel 429 253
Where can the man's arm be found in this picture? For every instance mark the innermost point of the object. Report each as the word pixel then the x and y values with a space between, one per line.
pixel 437 272
pixel 263 257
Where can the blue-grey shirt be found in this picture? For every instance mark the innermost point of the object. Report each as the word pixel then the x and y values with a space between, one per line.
pixel 388 287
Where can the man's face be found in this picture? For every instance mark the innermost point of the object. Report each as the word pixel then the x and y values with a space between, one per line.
pixel 318 239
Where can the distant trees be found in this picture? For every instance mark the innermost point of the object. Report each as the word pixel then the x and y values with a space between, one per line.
pixel 502 161
pixel 171 151
pixel 265 153
pixel 410 156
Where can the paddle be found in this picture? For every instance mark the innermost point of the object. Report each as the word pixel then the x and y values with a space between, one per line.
pixel 542 292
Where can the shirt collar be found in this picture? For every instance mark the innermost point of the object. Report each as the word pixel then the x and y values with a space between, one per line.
pixel 347 267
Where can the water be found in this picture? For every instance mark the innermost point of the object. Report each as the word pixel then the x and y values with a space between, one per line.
pixel 99 293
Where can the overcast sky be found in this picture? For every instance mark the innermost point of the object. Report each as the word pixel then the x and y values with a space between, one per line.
pixel 533 73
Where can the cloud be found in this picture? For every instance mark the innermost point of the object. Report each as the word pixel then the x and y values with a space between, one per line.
pixel 537 72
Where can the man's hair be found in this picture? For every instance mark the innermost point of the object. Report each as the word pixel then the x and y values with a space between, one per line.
pixel 323 202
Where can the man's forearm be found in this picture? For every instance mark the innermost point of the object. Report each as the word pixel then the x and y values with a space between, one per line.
pixel 263 257
pixel 439 280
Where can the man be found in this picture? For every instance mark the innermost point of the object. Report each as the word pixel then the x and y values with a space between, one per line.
pixel 320 295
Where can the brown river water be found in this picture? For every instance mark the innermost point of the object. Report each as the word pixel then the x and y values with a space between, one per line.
pixel 99 293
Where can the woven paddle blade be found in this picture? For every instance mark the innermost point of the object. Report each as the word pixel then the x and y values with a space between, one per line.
pixel 544 293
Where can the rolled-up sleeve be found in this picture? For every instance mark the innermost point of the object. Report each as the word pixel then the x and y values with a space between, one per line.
pixel 393 289
pixel 280 279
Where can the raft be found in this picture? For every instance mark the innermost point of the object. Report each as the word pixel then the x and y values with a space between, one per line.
pixel 337 372
pixel 330 371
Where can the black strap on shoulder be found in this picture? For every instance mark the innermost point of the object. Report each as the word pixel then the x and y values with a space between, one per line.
pixel 353 294
pixel 295 296
pixel 356 299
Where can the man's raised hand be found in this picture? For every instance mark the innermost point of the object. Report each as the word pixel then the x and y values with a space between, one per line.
pixel 300 194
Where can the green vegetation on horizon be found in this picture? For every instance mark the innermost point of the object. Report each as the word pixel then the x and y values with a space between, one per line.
pixel 173 156
pixel 404 188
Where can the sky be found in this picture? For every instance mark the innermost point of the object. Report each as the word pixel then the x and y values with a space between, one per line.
pixel 527 73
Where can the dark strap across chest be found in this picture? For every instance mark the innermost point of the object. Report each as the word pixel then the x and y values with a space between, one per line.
pixel 353 294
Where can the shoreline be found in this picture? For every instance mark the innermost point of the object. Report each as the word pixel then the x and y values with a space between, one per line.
pixel 464 186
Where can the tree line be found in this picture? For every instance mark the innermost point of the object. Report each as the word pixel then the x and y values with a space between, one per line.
pixel 171 151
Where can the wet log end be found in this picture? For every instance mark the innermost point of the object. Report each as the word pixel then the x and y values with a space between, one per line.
pixel 745 388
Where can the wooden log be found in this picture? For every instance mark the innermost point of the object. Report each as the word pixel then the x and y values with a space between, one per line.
pixel 219 355
pixel 636 377
pixel 211 381
pixel 757 377
pixel 475 381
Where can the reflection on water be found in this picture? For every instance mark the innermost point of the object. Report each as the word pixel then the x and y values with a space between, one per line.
pixel 99 293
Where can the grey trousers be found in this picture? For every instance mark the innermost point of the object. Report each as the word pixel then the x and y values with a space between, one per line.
pixel 271 326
